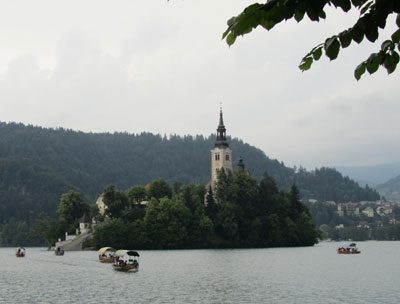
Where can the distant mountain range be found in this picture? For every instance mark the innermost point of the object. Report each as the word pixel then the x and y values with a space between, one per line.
pixel 384 178
pixel 371 175
pixel 391 189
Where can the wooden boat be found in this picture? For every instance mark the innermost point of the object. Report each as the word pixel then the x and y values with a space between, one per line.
pixel 106 255
pixel 126 261
pixel 20 252
pixel 59 250
pixel 350 248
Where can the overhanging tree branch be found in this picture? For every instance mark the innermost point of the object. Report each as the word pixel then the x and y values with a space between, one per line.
pixel 373 16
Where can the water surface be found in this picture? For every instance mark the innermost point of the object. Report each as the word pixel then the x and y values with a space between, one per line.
pixel 277 275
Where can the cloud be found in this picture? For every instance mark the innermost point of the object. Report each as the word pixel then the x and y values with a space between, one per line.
pixel 140 66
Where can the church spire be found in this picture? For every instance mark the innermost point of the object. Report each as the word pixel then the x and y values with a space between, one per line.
pixel 221 133
pixel 221 120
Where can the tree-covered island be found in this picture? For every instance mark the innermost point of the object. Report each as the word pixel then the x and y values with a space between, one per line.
pixel 241 213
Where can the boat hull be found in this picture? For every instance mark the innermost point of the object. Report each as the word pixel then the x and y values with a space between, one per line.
pixel 106 260
pixel 126 268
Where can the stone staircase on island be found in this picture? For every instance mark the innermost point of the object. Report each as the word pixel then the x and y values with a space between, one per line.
pixel 76 243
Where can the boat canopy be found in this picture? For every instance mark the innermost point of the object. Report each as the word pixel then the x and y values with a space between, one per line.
pixel 122 252
pixel 104 249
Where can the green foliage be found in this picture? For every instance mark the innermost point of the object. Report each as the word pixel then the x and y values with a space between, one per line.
pixel 373 16
pixel 72 207
pixel 116 201
pixel 252 214
pixel 247 215
pixel 159 189
pixel 137 194
pixel 48 229
pixel 114 233
pixel 326 184
pixel 15 233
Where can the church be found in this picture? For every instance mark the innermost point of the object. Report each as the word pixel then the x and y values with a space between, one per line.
pixel 221 154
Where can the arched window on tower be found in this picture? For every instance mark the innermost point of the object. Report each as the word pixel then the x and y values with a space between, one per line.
pixel 216 156
pixel 227 157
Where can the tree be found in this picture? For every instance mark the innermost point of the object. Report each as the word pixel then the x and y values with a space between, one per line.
pixel 48 229
pixel 72 207
pixel 137 194
pixel 373 16
pixel 113 233
pixel 211 206
pixel 116 201
pixel 166 223
pixel 159 189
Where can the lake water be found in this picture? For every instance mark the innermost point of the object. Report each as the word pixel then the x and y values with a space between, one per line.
pixel 277 275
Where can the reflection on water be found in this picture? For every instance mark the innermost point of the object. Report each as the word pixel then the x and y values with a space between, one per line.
pixel 278 275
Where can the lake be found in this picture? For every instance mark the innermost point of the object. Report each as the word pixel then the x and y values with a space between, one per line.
pixel 277 275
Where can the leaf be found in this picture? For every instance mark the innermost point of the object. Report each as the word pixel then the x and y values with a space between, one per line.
pixel 312 14
pixel 381 22
pixel 245 24
pixel 231 21
pixel 345 38
pixel 317 53
pixel 386 45
pixel 332 47
pixel 306 63
pixel 226 33
pixel 299 15
pixel 252 8
pixel 322 14
pixel 372 33
pixel 396 57
pixel 358 34
pixel 267 24
pixel 231 39
pixel 366 7
pixel 396 36
pixel 373 63
pixel 360 70
pixel 345 5
pixel 389 64
pixel 357 2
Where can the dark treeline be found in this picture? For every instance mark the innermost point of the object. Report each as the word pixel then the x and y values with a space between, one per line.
pixel 38 165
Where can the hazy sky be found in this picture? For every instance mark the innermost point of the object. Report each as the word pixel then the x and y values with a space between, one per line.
pixel 158 66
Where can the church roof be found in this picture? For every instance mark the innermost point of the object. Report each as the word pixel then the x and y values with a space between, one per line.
pixel 221 133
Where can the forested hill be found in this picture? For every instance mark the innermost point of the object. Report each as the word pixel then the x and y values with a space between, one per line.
pixel 37 165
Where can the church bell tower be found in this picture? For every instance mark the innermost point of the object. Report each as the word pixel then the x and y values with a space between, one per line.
pixel 221 155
